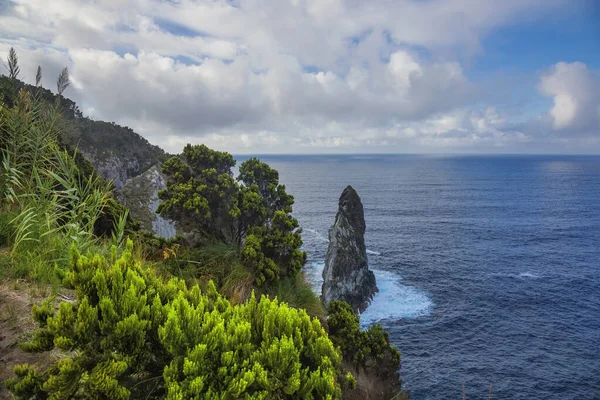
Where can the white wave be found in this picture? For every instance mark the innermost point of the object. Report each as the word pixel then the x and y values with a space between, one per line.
pixel 317 234
pixel 528 275
pixel 393 301
pixel 374 253
pixel 314 274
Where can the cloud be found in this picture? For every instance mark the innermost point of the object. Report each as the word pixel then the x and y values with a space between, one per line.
pixel 576 95
pixel 287 76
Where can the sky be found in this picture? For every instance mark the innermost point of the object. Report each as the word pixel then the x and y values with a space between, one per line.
pixel 325 76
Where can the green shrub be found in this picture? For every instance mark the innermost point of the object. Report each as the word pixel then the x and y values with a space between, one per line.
pixel 358 346
pixel 132 335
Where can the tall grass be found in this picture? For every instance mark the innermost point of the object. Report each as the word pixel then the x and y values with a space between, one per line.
pixel 47 204
pixel 298 293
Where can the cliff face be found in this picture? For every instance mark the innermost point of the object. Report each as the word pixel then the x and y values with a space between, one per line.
pixel 111 166
pixel 116 152
pixel 140 195
pixel 346 275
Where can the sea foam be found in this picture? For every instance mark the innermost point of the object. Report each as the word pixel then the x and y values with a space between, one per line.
pixel 393 301
pixel 528 275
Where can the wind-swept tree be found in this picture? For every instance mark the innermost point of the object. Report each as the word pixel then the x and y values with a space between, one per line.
pixel 201 193
pixel 255 214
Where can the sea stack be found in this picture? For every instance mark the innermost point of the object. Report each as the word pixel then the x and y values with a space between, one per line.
pixel 346 275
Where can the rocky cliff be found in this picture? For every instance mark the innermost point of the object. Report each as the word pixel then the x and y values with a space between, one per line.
pixel 140 195
pixel 346 275
pixel 110 166
pixel 116 152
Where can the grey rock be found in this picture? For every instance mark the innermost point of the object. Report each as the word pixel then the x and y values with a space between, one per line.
pixel 346 275
pixel 111 167
pixel 140 195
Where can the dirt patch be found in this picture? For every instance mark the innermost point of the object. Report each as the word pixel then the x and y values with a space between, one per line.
pixel 16 300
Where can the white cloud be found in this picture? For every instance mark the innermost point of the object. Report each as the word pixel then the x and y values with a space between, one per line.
pixel 284 76
pixel 404 69
pixel 576 94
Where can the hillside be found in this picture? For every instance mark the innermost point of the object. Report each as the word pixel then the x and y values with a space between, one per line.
pixel 116 152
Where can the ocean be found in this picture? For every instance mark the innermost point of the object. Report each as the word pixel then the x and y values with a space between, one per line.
pixel 488 266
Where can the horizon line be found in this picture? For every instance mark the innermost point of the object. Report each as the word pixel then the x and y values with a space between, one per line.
pixel 419 154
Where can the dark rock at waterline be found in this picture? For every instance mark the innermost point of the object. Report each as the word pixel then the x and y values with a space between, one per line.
pixel 346 275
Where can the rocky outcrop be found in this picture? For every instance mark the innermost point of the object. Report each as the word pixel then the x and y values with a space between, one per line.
pixel 346 275
pixel 111 167
pixel 140 195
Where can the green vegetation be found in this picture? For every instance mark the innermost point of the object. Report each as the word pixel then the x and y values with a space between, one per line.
pixel 206 201
pixel 359 346
pixel 132 335
pixel 47 202
pixel 224 314
pixel 367 354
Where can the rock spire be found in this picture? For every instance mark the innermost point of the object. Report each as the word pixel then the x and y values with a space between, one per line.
pixel 346 275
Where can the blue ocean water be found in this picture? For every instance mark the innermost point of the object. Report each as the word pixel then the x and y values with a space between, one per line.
pixel 488 266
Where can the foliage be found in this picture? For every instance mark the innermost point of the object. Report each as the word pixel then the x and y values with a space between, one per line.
pixel 129 334
pixel 110 332
pixel 260 350
pixel 261 196
pixel 216 262
pixel 359 346
pixel 153 247
pixel 297 292
pixel 48 201
pixel 278 241
pixel 202 195
pixel 201 192
pixel 212 261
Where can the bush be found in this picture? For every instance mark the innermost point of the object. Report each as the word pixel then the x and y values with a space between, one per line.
pixel 131 335
pixel 358 346
pixel 254 214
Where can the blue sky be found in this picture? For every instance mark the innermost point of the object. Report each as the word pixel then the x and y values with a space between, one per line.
pixel 326 76
pixel 530 46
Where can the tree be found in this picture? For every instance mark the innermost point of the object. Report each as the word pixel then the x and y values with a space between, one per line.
pixel 273 241
pixel 255 215
pixel 278 243
pixel 255 173
pixel 201 193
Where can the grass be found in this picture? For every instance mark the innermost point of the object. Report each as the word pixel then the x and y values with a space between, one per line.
pixel 238 284
pixel 47 203
pixel 9 316
pixel 218 262
pixel 298 293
